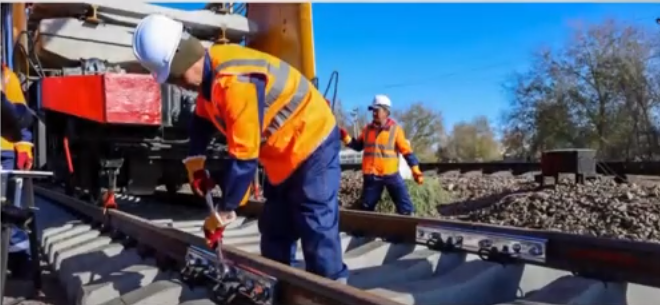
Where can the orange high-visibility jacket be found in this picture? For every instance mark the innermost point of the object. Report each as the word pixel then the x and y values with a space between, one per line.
pixel 281 131
pixel 381 148
pixel 13 92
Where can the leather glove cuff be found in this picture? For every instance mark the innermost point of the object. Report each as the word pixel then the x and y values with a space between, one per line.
pixel 194 163
pixel 23 147
pixel 346 139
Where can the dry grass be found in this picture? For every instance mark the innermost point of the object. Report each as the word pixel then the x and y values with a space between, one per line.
pixel 426 198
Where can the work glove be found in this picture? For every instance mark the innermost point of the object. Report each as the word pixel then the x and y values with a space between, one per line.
pixel 214 227
pixel 417 175
pixel 344 135
pixel 24 157
pixel 198 177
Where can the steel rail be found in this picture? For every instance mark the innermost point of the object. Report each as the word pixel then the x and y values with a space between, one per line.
pixel 170 246
pixel 588 256
pixel 650 168
pixel 602 259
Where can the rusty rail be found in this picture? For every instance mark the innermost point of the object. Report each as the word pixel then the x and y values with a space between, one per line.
pixel 603 259
pixel 589 256
pixel 170 245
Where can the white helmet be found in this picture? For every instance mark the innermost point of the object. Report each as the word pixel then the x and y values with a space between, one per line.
pixel 381 101
pixel 155 41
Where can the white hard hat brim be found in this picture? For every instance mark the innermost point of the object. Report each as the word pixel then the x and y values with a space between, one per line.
pixel 374 107
pixel 162 75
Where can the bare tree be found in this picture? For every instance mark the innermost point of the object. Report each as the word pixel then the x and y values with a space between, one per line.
pixel 424 128
pixel 471 142
pixel 598 91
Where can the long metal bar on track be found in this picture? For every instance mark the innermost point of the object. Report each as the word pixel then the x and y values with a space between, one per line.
pixel 602 258
pixel 294 286
pixel 651 168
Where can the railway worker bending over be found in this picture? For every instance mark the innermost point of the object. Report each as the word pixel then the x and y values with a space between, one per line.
pixel 270 113
pixel 382 141
pixel 16 155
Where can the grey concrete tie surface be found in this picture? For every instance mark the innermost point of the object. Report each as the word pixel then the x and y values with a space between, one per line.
pixel 94 270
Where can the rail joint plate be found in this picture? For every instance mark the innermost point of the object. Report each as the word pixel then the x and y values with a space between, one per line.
pixel 488 245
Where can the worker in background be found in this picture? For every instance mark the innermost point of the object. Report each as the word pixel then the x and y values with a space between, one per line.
pixel 270 114
pixel 16 155
pixel 381 142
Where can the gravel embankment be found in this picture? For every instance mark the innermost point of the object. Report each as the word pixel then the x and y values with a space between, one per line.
pixel 600 207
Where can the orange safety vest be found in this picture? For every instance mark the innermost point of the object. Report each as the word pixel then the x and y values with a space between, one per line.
pixel 380 156
pixel 296 120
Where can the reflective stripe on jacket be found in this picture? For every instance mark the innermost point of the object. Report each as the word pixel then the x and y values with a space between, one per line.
pixel 294 118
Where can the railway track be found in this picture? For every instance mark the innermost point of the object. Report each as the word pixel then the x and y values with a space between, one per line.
pixel 393 260
pixel 622 169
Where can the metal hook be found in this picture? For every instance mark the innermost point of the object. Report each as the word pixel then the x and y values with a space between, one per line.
pixel 223 35
pixel 93 17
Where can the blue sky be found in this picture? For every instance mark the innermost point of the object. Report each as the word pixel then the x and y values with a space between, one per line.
pixel 452 57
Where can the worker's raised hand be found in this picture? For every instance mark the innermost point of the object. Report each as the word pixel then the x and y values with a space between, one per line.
pixel 343 132
pixel 214 227
pixel 344 135
pixel 417 175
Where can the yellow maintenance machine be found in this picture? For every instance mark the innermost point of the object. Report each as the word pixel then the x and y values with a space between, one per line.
pixel 77 62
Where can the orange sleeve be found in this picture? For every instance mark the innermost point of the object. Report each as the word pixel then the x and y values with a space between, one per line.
pixel 401 142
pixel 404 149
pixel 241 102
pixel 237 101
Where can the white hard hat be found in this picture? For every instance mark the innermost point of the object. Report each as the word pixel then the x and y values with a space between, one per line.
pixel 381 101
pixel 155 41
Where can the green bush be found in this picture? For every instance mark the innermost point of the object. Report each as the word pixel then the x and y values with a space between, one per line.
pixel 426 198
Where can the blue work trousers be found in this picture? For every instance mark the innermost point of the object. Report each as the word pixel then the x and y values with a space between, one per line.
pixel 19 241
pixel 372 190
pixel 305 206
